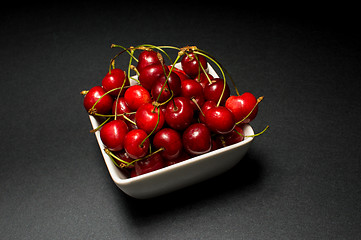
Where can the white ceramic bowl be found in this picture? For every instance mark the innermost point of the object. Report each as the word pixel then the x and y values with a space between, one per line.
pixel 179 175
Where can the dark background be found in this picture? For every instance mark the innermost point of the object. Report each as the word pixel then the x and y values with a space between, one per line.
pixel 300 180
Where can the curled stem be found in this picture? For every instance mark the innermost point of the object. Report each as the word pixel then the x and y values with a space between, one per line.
pixel 254 107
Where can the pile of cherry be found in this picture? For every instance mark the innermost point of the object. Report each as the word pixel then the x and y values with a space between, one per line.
pixel 171 114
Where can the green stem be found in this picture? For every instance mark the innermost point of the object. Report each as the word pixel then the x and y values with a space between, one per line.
pixel 198 51
pixel 254 107
pixel 101 125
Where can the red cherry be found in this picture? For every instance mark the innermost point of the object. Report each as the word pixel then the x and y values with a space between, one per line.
pixel 179 113
pixel 173 81
pixel 148 75
pixel 192 89
pixel 219 120
pixel 136 96
pixel 113 134
pixel 157 91
pixel 206 106
pixel 197 139
pixel 223 140
pixel 184 156
pixel 147 118
pixel 147 58
pixel 133 143
pixel 214 91
pixel 190 64
pixel 131 125
pixel 171 141
pixel 104 105
pixel 236 136
pixel 121 107
pixel 115 79
pixel 242 105
pixel 150 164
pixel 181 74
pixel 203 80
pixel 124 156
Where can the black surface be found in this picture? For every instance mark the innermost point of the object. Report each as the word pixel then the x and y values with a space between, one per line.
pixel 300 180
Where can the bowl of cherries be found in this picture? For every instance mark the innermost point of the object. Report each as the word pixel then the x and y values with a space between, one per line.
pixel 164 126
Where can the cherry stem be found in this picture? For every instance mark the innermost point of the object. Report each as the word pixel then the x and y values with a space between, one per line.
pixel 195 102
pixel 220 67
pixel 258 101
pixel 149 155
pixel 101 125
pixel 125 163
pixel 254 135
pixel 156 47
pixel 167 76
pixel 156 125
pixel 112 156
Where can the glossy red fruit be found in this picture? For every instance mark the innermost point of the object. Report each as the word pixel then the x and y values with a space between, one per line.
pixel 206 106
pixel 121 106
pixel 236 136
pixel 179 113
pixel 148 75
pixel 124 156
pixel 113 133
pixel 173 81
pixel 115 79
pixel 197 139
pixel 136 96
pixel 147 58
pixel 147 118
pixel 190 64
pixel 159 92
pixel 131 124
pixel 181 74
pixel 184 156
pixel 242 105
pixel 212 92
pixel 192 89
pixel 219 120
pixel 150 164
pixel 133 143
pixel 171 141
pixel 104 106
pixel 203 80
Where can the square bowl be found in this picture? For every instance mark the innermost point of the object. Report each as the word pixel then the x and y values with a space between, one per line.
pixel 181 174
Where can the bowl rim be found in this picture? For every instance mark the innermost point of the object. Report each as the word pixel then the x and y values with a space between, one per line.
pixel 128 180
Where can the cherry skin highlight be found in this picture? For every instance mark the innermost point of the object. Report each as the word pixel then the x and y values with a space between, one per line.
pixel 171 141
pixel 104 106
pixel 190 64
pixel 179 113
pixel 212 92
pixel 242 105
pixel 113 133
pixel 146 118
pixel 133 143
pixel 121 106
pixel 136 96
pixel 115 79
pixel 219 120
pixel 206 106
pixel 147 58
pixel 149 74
pixel 192 89
pixel 197 139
